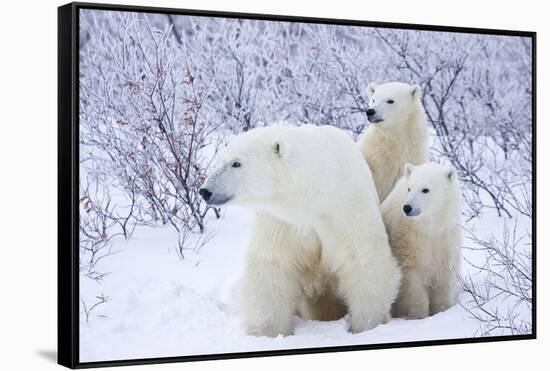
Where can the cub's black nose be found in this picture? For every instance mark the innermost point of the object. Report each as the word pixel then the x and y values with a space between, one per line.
pixel 205 193
pixel 370 112
pixel 407 209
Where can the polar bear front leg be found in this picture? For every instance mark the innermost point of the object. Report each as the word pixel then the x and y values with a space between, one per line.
pixel 413 301
pixel 368 296
pixel 442 297
pixel 367 272
pixel 270 292
pixel 443 292
pixel 268 299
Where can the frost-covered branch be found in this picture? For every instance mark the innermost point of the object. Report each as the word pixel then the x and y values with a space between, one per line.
pixel 507 282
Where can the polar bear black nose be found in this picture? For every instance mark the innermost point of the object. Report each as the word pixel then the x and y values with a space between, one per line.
pixel 407 209
pixel 370 112
pixel 205 193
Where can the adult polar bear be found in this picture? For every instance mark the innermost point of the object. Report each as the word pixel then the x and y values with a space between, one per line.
pixel 318 233
pixel 398 134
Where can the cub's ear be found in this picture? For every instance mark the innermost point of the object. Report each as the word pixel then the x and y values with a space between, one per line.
pixel 408 169
pixel 371 88
pixel 281 149
pixel 451 173
pixel 416 91
pixel 231 138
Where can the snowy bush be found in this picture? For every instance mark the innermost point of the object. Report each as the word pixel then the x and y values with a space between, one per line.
pixel 142 122
pixel 503 302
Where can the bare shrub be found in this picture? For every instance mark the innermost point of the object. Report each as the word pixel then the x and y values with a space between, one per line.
pixel 502 298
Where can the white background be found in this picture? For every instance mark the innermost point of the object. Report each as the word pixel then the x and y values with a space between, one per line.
pixel 28 182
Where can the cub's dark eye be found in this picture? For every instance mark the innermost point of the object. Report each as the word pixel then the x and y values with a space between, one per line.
pixel 408 189
pixel 390 101
pixel 425 190
pixel 236 164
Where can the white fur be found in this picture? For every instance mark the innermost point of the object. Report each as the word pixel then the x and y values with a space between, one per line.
pixel 400 137
pixel 318 237
pixel 426 245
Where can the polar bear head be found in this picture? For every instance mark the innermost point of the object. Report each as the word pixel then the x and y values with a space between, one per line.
pixel 393 103
pixel 275 169
pixel 245 172
pixel 288 172
pixel 433 192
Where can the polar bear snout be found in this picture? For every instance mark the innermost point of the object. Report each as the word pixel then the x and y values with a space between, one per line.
pixel 410 211
pixel 214 199
pixel 205 193
pixel 373 116
pixel 217 189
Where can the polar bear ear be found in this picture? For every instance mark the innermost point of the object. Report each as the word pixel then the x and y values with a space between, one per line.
pixel 415 91
pixel 230 138
pixel 280 149
pixel 451 173
pixel 408 169
pixel 371 88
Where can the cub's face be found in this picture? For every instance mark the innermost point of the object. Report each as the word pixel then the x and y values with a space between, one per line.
pixel 244 173
pixel 392 102
pixel 430 187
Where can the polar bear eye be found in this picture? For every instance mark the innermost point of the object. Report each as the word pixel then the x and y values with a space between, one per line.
pixel 390 101
pixel 425 190
pixel 236 164
pixel 408 189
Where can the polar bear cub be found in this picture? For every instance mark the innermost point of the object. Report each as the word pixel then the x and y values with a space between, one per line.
pixel 397 135
pixel 318 232
pixel 421 215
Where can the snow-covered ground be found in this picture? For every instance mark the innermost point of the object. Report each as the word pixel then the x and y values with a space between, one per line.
pixel 163 306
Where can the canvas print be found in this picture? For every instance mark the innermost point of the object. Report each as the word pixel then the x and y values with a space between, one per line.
pixel 256 185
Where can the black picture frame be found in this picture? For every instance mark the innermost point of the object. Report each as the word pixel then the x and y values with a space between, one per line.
pixel 68 179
